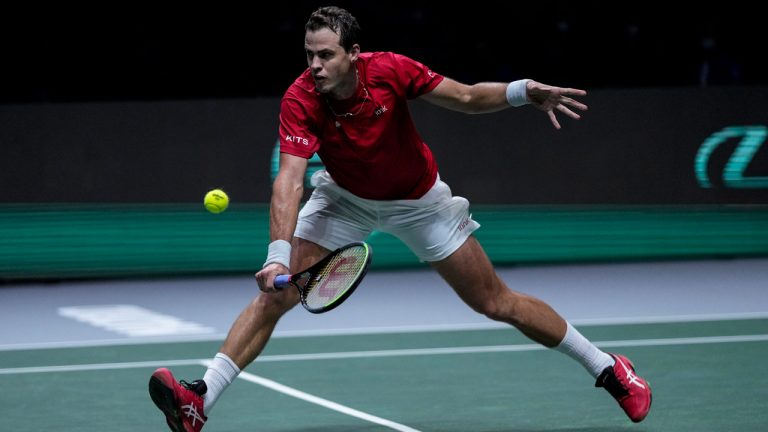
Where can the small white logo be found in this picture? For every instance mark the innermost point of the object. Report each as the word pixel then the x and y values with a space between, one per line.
pixel 297 139
pixel 381 110
pixel 191 411
pixel 430 73
pixel 631 377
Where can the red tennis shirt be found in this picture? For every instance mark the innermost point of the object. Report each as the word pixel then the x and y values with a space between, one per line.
pixel 368 143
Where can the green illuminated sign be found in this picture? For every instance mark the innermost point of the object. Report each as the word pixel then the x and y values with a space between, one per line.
pixel 314 165
pixel 751 139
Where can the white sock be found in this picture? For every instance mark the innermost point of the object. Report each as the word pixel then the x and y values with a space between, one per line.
pixel 585 352
pixel 220 374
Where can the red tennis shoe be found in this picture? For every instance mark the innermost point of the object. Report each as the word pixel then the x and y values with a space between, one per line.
pixel 182 403
pixel 632 392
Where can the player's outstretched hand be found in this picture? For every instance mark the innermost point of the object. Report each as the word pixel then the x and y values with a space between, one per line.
pixel 550 98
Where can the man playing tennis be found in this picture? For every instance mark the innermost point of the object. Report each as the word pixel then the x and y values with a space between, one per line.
pixel 351 108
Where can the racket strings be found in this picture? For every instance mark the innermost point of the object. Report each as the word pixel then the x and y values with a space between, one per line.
pixel 338 276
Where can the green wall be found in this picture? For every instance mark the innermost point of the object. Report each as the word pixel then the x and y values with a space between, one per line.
pixel 44 241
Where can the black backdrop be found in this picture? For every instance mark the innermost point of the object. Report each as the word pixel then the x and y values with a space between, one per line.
pixel 78 51
pixel 632 146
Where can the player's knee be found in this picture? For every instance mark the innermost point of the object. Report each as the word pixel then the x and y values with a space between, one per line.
pixel 491 309
pixel 275 304
pixel 504 307
pixel 486 305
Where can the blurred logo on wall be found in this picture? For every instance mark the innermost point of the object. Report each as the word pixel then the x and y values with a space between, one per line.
pixel 745 167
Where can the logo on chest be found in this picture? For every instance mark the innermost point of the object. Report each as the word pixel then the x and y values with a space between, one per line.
pixel 380 110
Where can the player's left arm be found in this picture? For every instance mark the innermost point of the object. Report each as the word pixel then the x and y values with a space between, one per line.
pixel 490 97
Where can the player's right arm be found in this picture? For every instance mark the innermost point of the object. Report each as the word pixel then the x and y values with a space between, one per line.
pixel 287 191
pixel 298 142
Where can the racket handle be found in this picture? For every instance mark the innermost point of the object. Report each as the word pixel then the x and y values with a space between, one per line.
pixel 282 281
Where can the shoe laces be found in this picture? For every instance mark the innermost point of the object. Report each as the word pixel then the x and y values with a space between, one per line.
pixel 611 383
pixel 197 386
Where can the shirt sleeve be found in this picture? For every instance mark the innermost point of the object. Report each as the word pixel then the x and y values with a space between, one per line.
pixel 417 78
pixel 296 136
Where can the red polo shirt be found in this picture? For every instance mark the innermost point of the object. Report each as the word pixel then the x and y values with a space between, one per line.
pixel 368 143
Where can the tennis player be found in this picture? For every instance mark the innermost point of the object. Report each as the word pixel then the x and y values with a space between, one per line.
pixel 350 108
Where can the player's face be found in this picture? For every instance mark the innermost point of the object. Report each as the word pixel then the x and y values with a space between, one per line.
pixel 331 66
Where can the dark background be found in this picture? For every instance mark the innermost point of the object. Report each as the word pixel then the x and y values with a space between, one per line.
pixel 149 51
pixel 135 102
pixel 634 146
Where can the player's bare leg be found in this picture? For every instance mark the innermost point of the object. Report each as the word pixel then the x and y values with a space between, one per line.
pixel 253 328
pixel 186 405
pixel 471 274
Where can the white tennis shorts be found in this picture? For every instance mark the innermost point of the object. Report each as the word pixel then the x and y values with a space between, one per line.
pixel 433 226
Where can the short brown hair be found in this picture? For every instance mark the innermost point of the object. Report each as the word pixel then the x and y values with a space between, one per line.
pixel 339 21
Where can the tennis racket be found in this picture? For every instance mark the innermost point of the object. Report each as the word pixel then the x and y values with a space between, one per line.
pixel 330 281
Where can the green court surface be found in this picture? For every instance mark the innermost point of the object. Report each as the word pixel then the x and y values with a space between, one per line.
pixel 706 376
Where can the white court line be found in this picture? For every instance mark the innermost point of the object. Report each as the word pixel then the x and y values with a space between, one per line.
pixel 391 353
pixel 490 325
pixel 290 391
pixel 100 366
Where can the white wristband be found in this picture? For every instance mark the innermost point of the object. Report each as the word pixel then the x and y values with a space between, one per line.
pixel 516 93
pixel 279 252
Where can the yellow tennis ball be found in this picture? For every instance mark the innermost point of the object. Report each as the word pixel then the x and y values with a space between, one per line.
pixel 216 201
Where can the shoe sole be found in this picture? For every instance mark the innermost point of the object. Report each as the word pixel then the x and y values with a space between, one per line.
pixel 165 400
